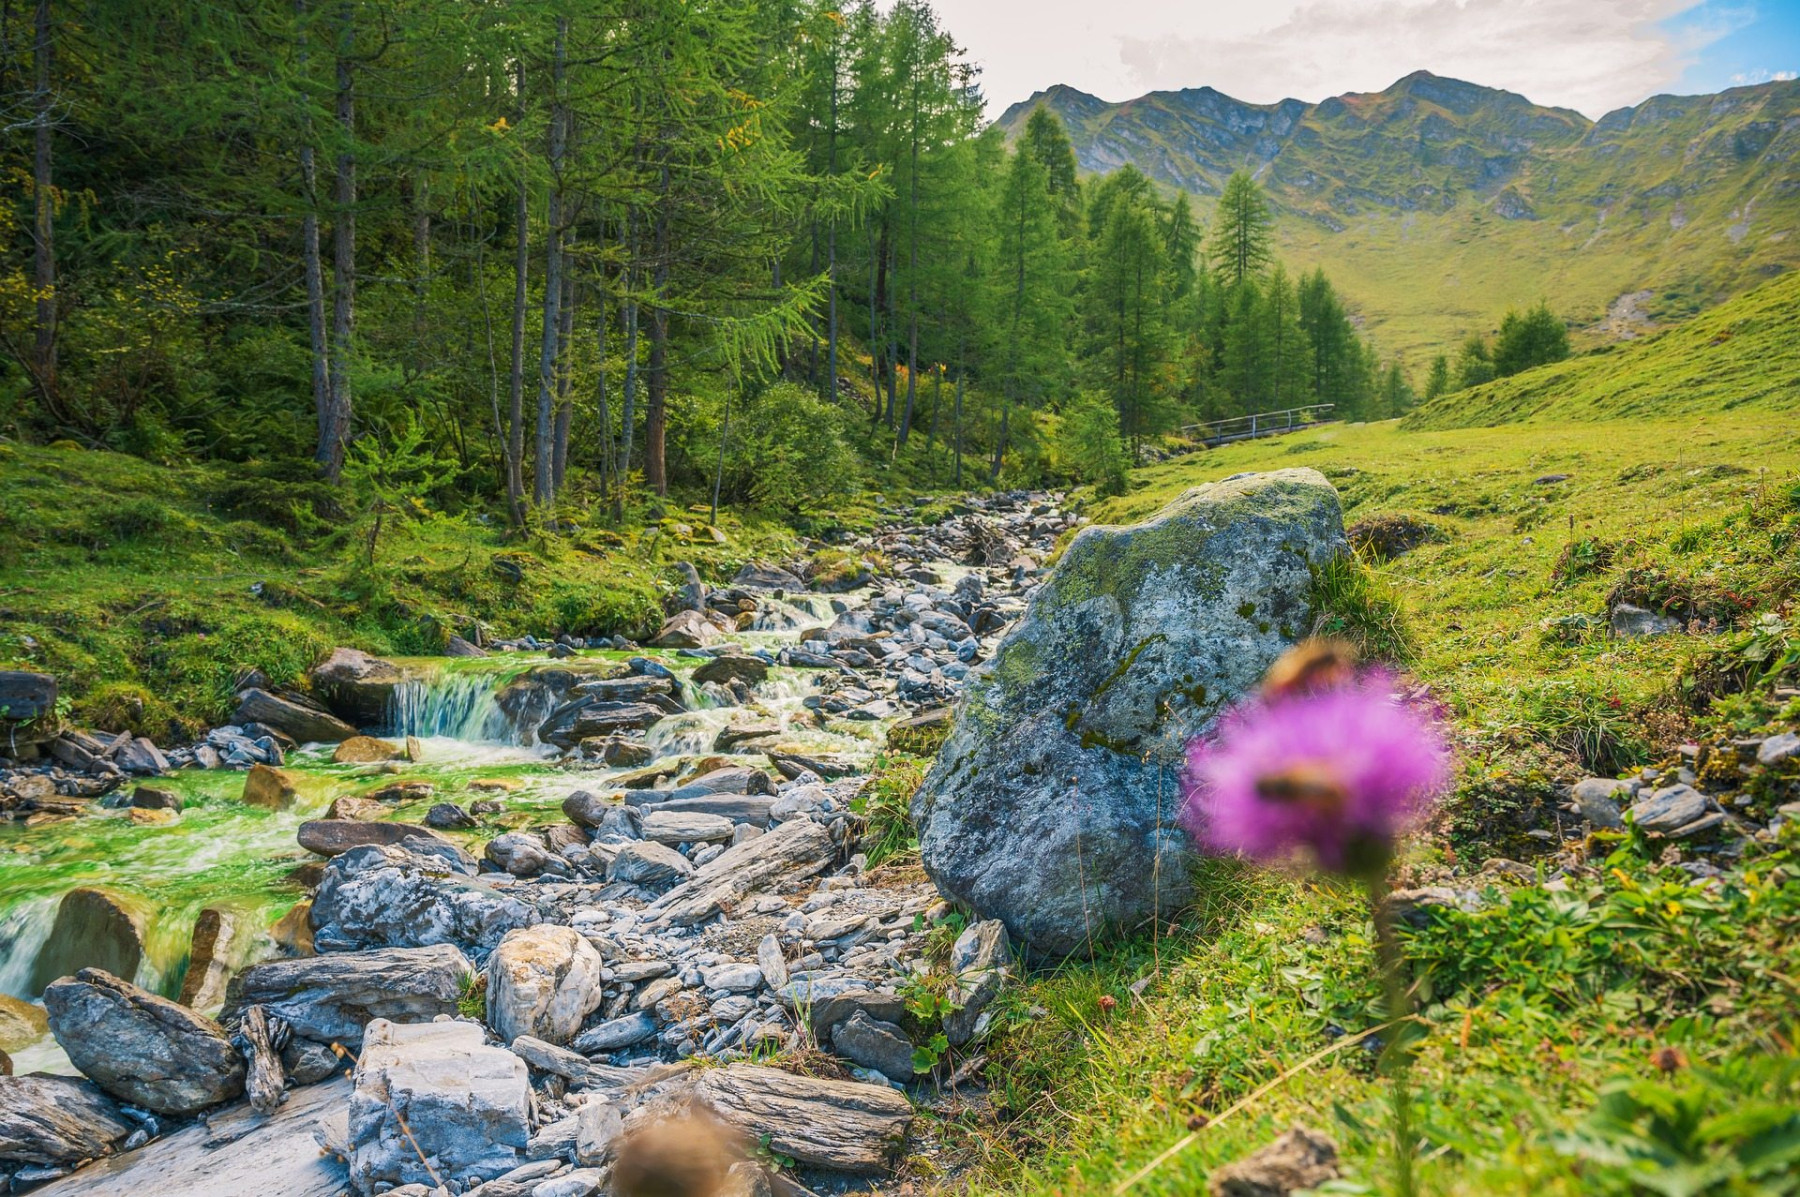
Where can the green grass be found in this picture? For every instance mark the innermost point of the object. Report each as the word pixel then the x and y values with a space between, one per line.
pixel 1743 354
pixel 1536 1071
pixel 148 589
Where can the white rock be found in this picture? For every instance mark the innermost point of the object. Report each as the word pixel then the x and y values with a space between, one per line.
pixel 542 981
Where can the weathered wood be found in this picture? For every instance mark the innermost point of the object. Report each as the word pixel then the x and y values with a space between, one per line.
pixel 843 1125
pixel 264 1079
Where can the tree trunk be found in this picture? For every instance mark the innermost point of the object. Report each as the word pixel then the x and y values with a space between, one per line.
pixel 912 280
pixel 565 408
pixel 1000 441
pixel 343 257
pixel 602 400
pixel 959 436
pixel 655 408
pixel 831 328
pixel 628 413
pixel 43 262
pixel 544 480
pixel 314 267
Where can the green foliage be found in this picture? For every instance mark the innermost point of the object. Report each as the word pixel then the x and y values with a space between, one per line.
pixel 1240 235
pixel 884 804
pixel 1351 604
pixel 1088 444
pixel 1535 338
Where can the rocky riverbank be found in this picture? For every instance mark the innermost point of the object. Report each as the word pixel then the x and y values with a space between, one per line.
pixel 510 990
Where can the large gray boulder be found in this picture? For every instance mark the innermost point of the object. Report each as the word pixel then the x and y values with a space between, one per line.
pixel 1053 803
pixel 433 1100
pixel 50 1120
pixel 389 897
pixel 542 981
pixel 331 998
pixel 356 685
pixel 141 1048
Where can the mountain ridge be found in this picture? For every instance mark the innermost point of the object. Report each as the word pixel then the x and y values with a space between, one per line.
pixel 1438 202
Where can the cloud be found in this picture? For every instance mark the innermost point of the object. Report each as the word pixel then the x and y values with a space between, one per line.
pixel 1591 55
pixel 1762 75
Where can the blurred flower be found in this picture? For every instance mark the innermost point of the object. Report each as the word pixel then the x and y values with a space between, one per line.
pixel 1326 760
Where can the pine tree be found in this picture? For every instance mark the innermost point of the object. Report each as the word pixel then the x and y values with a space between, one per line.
pixel 1240 237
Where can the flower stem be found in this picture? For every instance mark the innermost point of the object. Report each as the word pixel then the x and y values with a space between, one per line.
pixel 1396 1054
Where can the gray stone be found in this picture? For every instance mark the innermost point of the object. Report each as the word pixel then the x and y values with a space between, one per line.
pixel 733 978
pixel 435 1090
pixel 616 1033
pixel 981 961
pixel 542 981
pixel 1776 749
pixel 1137 641
pixel 1633 623
pixel 520 853
pixel 734 779
pixel 773 963
pixel 729 667
pixel 1666 809
pixel 334 837
pixel 878 1045
pixel 602 1125
pixel 447 816
pixel 93 929
pixel 739 808
pixel 356 685
pixel 383 897
pixel 686 629
pixel 797 849
pixel 49 1120
pixel 307 1061
pixel 300 722
pixel 1599 798
pixel 331 998
pixel 643 863
pixel 684 827
pixel 142 1048
pixel 231 1151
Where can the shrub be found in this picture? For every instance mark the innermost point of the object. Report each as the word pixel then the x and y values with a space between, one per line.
pixel 1351 604
pixel 1088 446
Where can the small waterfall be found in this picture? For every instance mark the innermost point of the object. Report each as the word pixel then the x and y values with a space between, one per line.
pixel 23 931
pixel 458 705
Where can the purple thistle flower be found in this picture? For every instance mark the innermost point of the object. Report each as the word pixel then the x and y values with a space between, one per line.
pixel 1339 769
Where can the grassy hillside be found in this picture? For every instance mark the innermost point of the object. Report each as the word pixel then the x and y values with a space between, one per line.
pixel 1742 355
pixel 148 589
pixel 1537 1071
pixel 1436 204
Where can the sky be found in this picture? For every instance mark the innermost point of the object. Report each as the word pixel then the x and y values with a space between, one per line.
pixel 1590 55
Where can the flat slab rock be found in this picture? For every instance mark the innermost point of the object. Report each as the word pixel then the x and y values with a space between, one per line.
pixel 797 848
pixel 846 1126
pixel 233 1152
pixel 56 1120
pixel 331 998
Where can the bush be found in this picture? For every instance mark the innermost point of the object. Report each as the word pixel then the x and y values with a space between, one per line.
pixel 789 451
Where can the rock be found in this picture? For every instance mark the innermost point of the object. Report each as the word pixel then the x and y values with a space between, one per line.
pixel 587 718
pixel 878 1045
pixel 329 999
pixel 542 981
pixel 844 1126
pixel 616 1033
pixel 379 897
pixel 1139 638
pixel 269 788
pixel 49 1120
pixel 830 1010
pixel 141 1048
pixel 1300 1159
pixel 739 808
pixel 140 757
pixel 792 765
pixel 587 810
pixel 645 863
pixel 356 685
pixel 683 827
pixel 757 575
pixel 27 699
pixel 292 932
pixel 93 929
pixel 334 837
pixel 437 1091
pixel 307 1061
pixel 923 734
pixel 1631 623
pixel 729 667
pixel 1778 749
pixel 456 646
pixel 233 1151
pixel 1384 537
pixel 21 1023
pixel 729 779
pixel 733 977
pixel 980 960
pixel 361 810
pixel 519 853
pixel 447 816
pixel 306 724
pixel 223 943
pixel 366 750
pixel 800 848
pixel 583 1182
pixel 1598 798
pixel 602 1125
pixel 686 629
pixel 772 962
pixel 1669 808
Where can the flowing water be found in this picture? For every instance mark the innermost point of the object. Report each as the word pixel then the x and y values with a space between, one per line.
pixel 222 853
